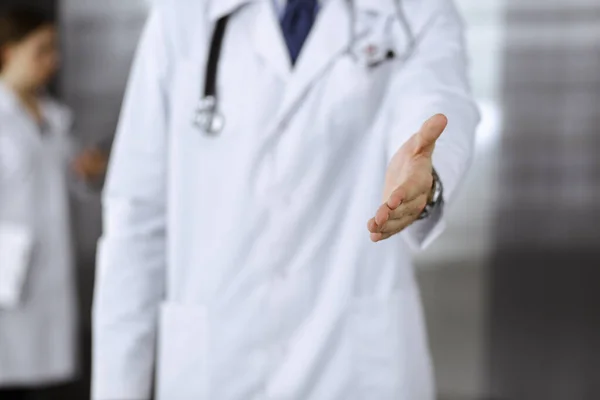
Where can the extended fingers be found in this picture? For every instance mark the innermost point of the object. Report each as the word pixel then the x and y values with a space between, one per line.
pixel 407 192
pixel 387 220
pixel 378 237
pixel 391 222
pixel 410 209
pixel 381 218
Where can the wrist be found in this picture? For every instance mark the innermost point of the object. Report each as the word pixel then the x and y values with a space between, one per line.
pixel 435 197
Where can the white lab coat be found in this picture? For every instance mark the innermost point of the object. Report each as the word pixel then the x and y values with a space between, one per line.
pixel 38 321
pixel 245 258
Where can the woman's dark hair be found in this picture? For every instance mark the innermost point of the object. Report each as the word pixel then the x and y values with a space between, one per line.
pixel 18 23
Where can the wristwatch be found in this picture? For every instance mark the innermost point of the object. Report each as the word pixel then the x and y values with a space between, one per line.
pixel 436 199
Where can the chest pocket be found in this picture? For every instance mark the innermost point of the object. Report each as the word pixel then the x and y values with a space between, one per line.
pixel 355 93
pixel 360 79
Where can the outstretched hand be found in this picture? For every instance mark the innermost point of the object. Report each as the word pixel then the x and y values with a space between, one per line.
pixel 408 182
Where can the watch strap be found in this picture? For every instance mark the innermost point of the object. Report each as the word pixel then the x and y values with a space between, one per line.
pixel 436 199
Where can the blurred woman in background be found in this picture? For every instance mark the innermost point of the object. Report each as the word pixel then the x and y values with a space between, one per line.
pixel 37 287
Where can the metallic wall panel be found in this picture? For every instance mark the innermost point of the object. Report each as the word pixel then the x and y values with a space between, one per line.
pixel 544 324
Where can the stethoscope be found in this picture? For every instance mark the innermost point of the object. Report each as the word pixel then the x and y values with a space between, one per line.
pixel 207 116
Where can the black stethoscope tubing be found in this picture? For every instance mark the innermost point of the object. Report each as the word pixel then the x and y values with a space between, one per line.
pixel 207 116
pixel 210 82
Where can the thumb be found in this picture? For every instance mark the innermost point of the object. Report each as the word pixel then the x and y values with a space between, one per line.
pixel 430 132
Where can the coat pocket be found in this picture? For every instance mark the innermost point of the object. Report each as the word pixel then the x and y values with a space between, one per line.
pixel 353 97
pixel 377 339
pixel 182 371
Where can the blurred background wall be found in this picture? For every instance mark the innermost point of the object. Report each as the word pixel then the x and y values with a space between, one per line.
pixel 99 40
pixel 511 290
pixel 545 272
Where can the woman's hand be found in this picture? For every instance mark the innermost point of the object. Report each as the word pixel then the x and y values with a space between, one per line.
pixel 90 164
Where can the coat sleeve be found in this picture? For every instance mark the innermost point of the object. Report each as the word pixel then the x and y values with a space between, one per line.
pixel 16 223
pixel 131 263
pixel 434 80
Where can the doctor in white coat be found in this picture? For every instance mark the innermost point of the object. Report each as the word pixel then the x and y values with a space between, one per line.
pixel 266 255
pixel 37 289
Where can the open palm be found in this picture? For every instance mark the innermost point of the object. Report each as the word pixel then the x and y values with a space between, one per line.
pixel 408 182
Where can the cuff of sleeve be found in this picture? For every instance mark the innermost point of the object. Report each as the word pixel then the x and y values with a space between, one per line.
pixel 423 233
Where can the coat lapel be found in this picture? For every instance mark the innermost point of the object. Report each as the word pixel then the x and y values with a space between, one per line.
pixel 264 34
pixel 268 42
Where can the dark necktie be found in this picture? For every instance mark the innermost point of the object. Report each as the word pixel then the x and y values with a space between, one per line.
pixel 298 19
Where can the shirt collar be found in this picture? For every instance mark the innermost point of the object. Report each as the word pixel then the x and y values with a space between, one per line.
pixel 279 6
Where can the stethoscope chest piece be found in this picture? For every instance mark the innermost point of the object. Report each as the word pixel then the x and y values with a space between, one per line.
pixel 207 118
